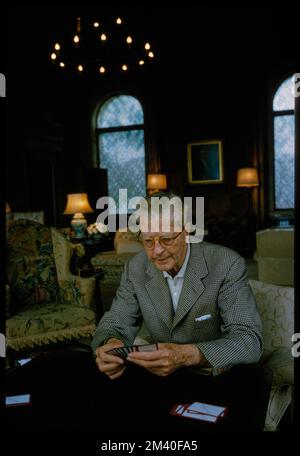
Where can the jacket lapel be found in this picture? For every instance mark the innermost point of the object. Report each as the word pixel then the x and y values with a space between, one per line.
pixel 192 285
pixel 159 294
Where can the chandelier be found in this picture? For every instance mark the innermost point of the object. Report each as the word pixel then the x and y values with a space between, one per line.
pixel 101 47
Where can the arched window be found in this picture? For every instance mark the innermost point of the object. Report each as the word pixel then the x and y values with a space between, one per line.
pixel 120 130
pixel 284 145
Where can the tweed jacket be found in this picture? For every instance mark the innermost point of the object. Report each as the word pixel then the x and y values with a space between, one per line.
pixel 215 284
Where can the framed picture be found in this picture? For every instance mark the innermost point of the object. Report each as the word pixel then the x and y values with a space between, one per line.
pixel 205 162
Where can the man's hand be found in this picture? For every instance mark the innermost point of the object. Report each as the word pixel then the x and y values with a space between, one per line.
pixel 111 365
pixel 168 358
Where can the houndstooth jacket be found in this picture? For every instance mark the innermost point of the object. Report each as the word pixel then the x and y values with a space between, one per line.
pixel 215 284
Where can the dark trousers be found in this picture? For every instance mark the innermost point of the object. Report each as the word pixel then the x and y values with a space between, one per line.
pixel 70 395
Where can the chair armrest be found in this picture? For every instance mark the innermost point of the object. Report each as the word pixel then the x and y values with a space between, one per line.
pixel 78 290
pixel 282 364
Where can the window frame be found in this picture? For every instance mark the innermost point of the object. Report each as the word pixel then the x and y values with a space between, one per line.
pixel 274 213
pixel 98 131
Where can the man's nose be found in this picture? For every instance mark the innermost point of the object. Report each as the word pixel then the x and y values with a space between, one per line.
pixel 157 249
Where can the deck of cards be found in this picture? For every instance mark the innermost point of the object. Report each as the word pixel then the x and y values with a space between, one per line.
pixel 200 411
pixel 123 352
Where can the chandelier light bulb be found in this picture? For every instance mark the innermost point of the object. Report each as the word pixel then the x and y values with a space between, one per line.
pixel 101 57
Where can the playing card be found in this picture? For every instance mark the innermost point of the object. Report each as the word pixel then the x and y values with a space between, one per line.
pixel 200 411
pixel 124 351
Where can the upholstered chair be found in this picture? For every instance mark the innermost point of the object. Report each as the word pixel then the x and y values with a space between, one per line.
pixel 275 264
pixel 276 307
pixel 36 216
pixel 112 263
pixel 46 304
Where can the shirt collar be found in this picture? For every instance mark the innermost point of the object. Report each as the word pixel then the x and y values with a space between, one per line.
pixel 182 270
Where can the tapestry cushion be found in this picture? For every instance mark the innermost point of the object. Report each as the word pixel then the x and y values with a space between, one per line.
pixel 276 307
pixel 43 318
pixel 112 265
pixel 31 270
pixel 127 236
pixel 129 247
pixel 37 216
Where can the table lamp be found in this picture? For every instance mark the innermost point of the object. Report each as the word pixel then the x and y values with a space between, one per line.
pixel 78 204
pixel 247 177
pixel 156 182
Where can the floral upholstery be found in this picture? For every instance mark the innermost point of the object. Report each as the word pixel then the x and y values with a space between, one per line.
pixel 126 245
pixel 113 265
pixel 41 318
pixel 276 307
pixel 37 216
pixel 46 302
pixel 30 264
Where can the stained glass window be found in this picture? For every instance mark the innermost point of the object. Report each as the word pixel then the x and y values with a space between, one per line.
pixel 121 145
pixel 284 145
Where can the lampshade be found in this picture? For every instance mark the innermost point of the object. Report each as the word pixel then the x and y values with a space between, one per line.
pixel 247 177
pixel 157 181
pixel 77 203
pixel 7 208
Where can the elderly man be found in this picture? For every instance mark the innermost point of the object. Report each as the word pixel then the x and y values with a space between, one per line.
pixel 195 303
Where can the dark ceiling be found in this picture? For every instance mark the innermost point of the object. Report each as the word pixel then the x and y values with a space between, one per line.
pixel 185 38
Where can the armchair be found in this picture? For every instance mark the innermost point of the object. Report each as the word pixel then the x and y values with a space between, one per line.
pixel 276 307
pixel 112 263
pixel 36 216
pixel 275 265
pixel 45 303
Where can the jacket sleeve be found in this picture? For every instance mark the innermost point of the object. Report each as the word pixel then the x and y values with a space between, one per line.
pixel 241 328
pixel 124 319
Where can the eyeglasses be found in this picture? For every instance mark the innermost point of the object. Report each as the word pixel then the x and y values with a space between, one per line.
pixel 164 241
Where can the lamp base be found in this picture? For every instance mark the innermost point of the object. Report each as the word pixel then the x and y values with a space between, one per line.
pixel 152 191
pixel 79 225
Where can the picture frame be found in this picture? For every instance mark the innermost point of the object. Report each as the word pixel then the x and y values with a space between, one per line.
pixel 205 162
